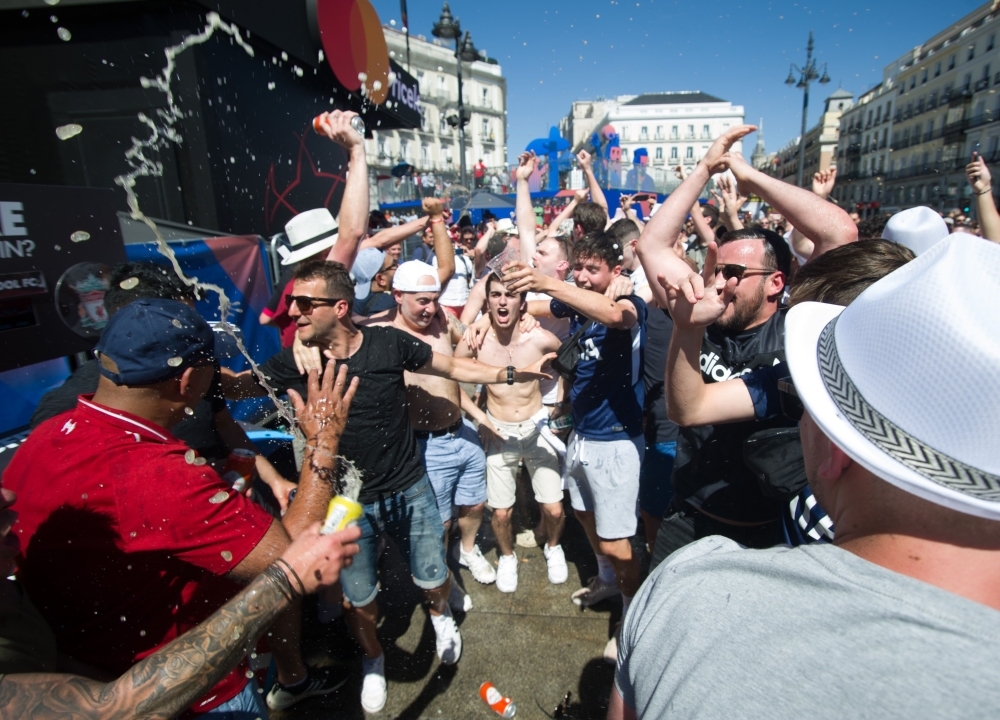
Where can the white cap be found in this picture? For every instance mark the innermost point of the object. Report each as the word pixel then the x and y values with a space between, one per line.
pixel 416 276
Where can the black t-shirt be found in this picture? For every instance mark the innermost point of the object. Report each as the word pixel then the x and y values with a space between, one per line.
pixel 378 438
pixel 197 430
pixel 709 472
pixel 659 328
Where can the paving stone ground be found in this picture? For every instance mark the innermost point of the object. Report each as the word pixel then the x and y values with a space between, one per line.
pixel 533 644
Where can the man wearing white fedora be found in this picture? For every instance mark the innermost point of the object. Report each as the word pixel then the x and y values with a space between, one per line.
pixel 898 617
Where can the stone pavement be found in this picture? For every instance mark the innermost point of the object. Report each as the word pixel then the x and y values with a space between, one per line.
pixel 535 645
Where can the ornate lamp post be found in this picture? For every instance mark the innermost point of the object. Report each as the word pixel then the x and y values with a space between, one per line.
pixel 806 75
pixel 449 28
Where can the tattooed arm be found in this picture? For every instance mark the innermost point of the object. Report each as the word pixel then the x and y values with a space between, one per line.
pixel 168 681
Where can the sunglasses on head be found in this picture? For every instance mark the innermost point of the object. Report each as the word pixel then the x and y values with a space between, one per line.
pixel 735 270
pixel 306 304
pixel 791 405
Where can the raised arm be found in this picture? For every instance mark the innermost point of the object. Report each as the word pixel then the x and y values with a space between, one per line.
pixel 444 251
pixel 827 225
pixel 730 201
pixel 690 401
pixel 596 193
pixel 479 251
pixel 566 213
pixel 982 187
pixel 352 224
pixel 395 234
pixel 524 211
pixel 620 314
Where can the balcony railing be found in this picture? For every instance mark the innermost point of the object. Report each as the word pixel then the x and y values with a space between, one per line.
pixel 982 84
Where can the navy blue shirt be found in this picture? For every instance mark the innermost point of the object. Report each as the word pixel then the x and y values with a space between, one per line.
pixel 762 385
pixel 608 393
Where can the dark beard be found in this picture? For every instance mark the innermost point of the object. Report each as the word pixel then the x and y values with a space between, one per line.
pixel 745 312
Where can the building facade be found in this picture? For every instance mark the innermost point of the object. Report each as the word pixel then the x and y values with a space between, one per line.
pixel 668 129
pixel 434 147
pixel 945 107
pixel 863 152
pixel 821 143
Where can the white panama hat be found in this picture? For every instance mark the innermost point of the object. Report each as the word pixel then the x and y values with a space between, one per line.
pixel 918 228
pixel 309 232
pixel 906 379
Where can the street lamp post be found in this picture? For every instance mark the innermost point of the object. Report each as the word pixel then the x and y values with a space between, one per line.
pixel 806 75
pixel 449 28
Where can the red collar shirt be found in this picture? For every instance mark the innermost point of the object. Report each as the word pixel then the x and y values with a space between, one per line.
pixel 126 537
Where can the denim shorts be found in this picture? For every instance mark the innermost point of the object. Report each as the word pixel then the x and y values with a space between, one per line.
pixel 456 466
pixel 655 487
pixel 411 518
pixel 247 705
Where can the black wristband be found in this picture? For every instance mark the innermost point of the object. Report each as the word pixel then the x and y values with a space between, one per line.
pixel 302 588
pixel 988 190
pixel 280 578
pixel 510 374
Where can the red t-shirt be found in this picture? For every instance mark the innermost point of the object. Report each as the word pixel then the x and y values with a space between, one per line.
pixel 125 545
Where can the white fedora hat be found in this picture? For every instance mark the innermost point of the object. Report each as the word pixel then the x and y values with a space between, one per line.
pixel 918 228
pixel 506 226
pixel 308 233
pixel 906 380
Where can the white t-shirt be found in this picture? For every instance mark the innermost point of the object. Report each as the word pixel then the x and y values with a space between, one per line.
pixel 456 292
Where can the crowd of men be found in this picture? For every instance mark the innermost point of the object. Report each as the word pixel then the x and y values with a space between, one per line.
pixel 824 529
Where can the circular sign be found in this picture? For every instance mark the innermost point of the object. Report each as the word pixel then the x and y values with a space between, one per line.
pixel 354 46
pixel 79 298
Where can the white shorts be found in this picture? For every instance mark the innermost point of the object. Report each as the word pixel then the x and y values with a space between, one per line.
pixel 521 441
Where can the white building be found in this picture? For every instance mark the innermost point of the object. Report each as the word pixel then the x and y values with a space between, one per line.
pixel 673 127
pixel 434 148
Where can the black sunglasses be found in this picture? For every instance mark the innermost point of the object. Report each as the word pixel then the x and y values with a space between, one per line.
pixel 791 405
pixel 735 270
pixel 306 303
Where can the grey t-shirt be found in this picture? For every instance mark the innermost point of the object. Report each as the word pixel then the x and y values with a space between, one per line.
pixel 718 631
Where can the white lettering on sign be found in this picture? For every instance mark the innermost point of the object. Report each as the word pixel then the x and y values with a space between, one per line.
pixel 18 248
pixel 11 219
pixel 409 96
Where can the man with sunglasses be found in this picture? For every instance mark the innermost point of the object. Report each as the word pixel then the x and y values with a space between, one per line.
pixel 379 440
pixel 714 491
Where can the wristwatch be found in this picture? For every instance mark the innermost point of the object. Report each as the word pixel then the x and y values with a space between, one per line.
pixel 510 374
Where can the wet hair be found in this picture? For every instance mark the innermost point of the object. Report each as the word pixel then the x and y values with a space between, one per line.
pixel 338 280
pixel 840 275
pixel 872 227
pixel 493 277
pixel 623 231
pixel 590 216
pixel 777 254
pixel 564 247
pixel 597 245
pixel 495 245
pixel 155 281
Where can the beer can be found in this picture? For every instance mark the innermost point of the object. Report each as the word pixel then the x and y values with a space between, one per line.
pixel 502 706
pixel 239 468
pixel 341 513
pixel 356 122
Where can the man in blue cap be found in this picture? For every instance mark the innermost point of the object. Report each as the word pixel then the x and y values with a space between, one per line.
pixel 128 536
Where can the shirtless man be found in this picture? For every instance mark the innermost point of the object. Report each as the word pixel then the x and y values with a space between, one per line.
pixel 512 433
pixel 453 457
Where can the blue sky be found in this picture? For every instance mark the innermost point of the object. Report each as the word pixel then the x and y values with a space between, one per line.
pixel 555 52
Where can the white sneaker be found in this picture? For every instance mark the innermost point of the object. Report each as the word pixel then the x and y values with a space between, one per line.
pixel 373 688
pixel 507 573
pixel 458 599
pixel 595 592
pixel 479 566
pixel 449 638
pixel 555 559
pixel 611 649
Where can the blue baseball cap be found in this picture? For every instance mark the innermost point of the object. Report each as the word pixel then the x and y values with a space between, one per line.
pixel 152 340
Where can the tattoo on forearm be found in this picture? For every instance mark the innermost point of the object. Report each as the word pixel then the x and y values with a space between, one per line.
pixel 332 476
pixel 163 684
pixel 457 324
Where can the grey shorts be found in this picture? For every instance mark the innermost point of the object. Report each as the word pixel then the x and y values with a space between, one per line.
pixel 603 478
